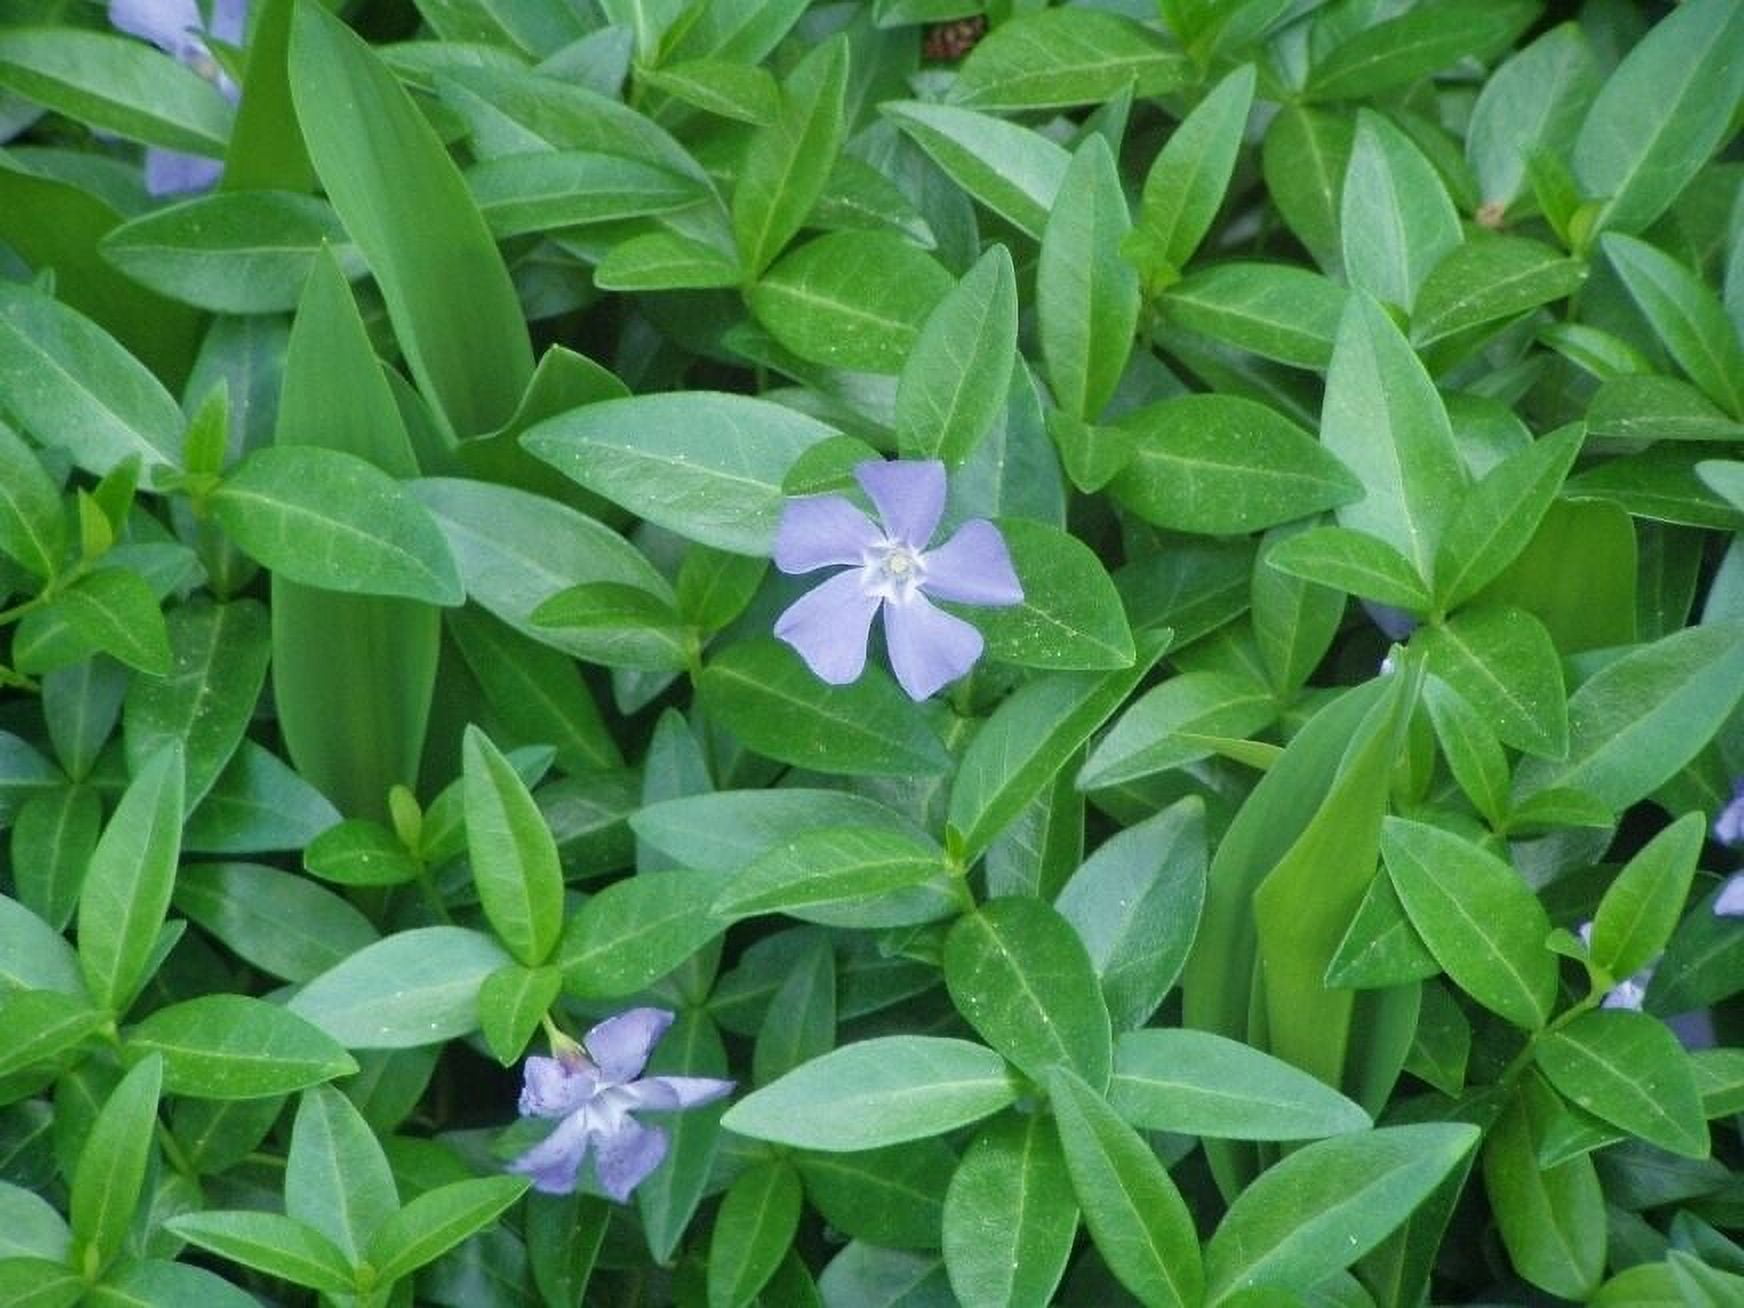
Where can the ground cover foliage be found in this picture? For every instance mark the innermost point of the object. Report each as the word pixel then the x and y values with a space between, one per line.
pixel 1247 820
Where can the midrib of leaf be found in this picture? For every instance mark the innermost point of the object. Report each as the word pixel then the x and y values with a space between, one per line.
pixel 287 510
pixel 1452 901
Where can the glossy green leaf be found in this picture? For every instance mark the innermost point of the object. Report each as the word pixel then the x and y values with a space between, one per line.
pixel 514 858
pixel 1486 279
pixel 1641 907
pixel 127 886
pixel 415 987
pixel 1688 318
pixel 1329 1203
pixel 327 519
pixel 232 1047
pixel 1070 617
pixel 1012 170
pixel 1480 920
pixel 279 1246
pixel 115 611
pixel 32 529
pixel 1169 726
pixel 1533 101
pixel 1306 154
pixel 1396 221
pixel 1352 561
pixel 1136 1216
pixel 1504 663
pixel 1087 295
pixel 757 1220
pixel 1186 182
pixel 1423 40
pixel 1010 1216
pixel 337 1180
pixel 637 930
pixel 437 1220
pixel 523 194
pixel 1629 1069
pixel 284 924
pixel 787 163
pixel 877 1092
pixel 845 874
pixel 1050 60
pixel 957 375
pixel 403 201
pixel 110 1174
pixel 1277 311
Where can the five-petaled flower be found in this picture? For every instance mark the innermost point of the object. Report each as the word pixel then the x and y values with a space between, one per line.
pixel 590 1093
pixel 890 568
pixel 177 28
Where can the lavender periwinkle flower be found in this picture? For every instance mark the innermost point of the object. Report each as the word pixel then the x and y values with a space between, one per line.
pixel 889 568
pixel 1627 993
pixel 1729 831
pixel 177 28
pixel 590 1090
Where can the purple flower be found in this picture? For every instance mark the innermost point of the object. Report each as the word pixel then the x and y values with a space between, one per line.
pixel 890 568
pixel 1729 825
pixel 176 28
pixel 590 1093
pixel 1628 993
pixel 1731 898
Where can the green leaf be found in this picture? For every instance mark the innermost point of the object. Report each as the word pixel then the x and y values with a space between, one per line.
pixel 1385 422
pixel 53 835
pixel 402 199
pixel 1306 154
pixel 118 85
pixel 1551 1219
pixel 159 1284
pixel 1353 561
pixel 280 922
pixel 219 656
pixel 761 692
pixel 28 1282
pixel 1051 59
pixel 115 611
pixel 417 987
pixel 851 875
pixel 1070 617
pixel 892 1196
pixel 359 852
pixel 1021 977
pixel 1013 171
pixel 1629 1069
pixel 664 261
pixel 1660 114
pixel 1170 724
pixel 1425 39
pixel 110 1173
pixel 1010 1216
pixel 1503 662
pixel 437 1220
pixel 1396 221
pixel 511 1003
pixel 267 1242
pixel 1489 278
pixel 1186 182
pixel 1277 311
pixel 668 1199
pixel 1087 294
pixel 1197 1083
pixel 1135 904
pixel 705 464
pixel 724 832
pixel 755 1224
pixel 1471 749
pixel 1686 316
pixel 73 386
pixel 329 520
pixel 43 1025
pixel 1220 464
pixel 32 529
pixel 877 1092
pixel 1497 518
pixel 1029 737
pixel 232 251
pixel 524 194
pixel 850 299
pixel 637 930
pixel 1635 722
pixel 1329 1203
pixel 1381 948
pixel 1136 1216
pixel 336 1178
pixel 1479 919
pixel 34 955
pixel 353 675
pixel 127 887
pixel 720 86
pixel 955 380
pixel 1641 907
pixel 1533 102
pixel 787 163
pixel 233 1047
pixel 514 858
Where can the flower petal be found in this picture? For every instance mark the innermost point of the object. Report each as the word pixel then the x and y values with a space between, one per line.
pixel 1729 825
pixel 828 626
pixel 229 21
pixel 928 647
pixel 666 1094
pixel 973 566
pixel 1731 899
pixel 623 1158
pixel 165 23
pixel 553 1088
pixel 819 530
pixel 1395 624
pixel 621 1044
pixel 170 172
pixel 555 1161
pixel 909 495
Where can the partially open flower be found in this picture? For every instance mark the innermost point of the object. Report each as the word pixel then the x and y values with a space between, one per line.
pixel 890 569
pixel 590 1090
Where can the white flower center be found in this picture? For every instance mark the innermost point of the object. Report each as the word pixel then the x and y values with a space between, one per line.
pixel 893 571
